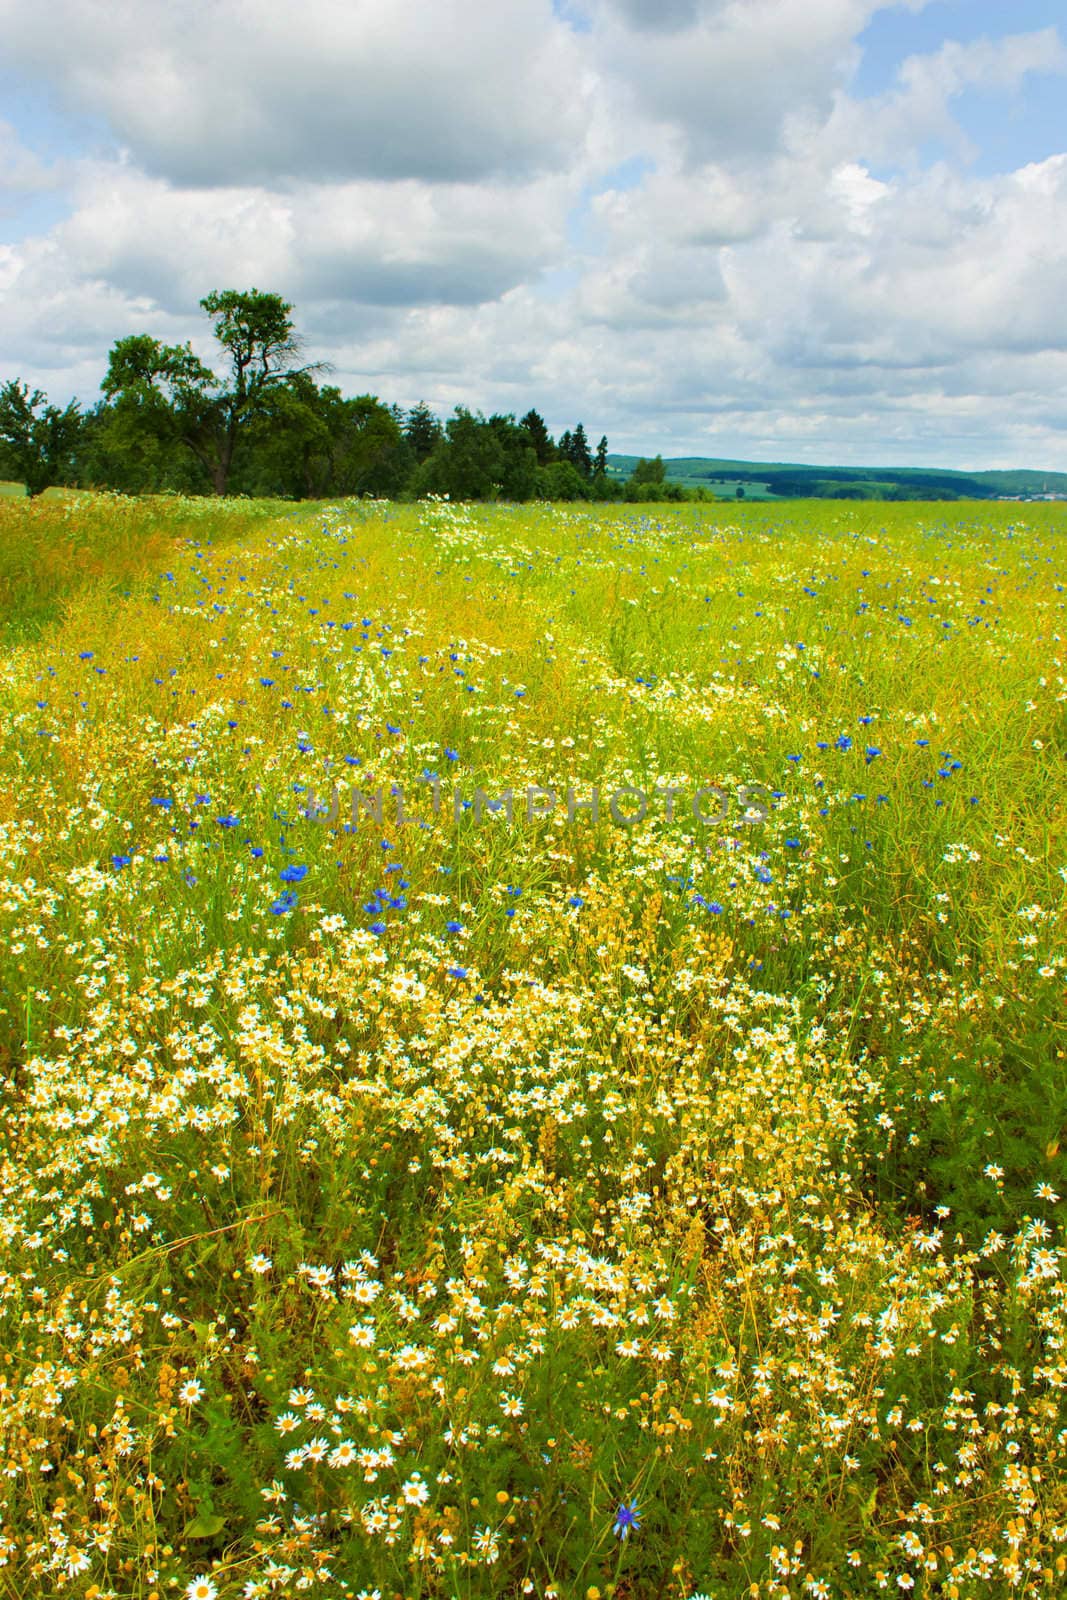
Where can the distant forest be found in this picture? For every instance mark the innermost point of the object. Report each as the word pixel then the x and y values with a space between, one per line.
pixel 270 427
pixel 788 480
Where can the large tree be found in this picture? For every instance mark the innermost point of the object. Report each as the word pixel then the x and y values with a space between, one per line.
pixel 422 431
pixel 168 391
pixel 574 447
pixel 38 442
pixel 540 438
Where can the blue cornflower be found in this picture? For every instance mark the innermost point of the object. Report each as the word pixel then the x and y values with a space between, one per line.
pixel 842 742
pixel 257 851
pixel 164 803
pixel 452 755
pixel 457 972
pixel 627 1520
pixel 377 927
pixel 390 729
pixel 293 873
pixel 871 753
pixel 118 862
pixel 285 902
pixel 762 875
pixel 454 927
pixel 226 822
pixel 576 901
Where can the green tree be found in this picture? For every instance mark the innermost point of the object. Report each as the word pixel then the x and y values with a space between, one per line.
pixel 574 447
pixel 539 436
pixel 40 442
pixel 561 480
pixel 168 391
pixel 422 430
pixel 469 463
pixel 117 452
pixel 653 471
pixel 519 480
pixel 600 460
pixel 313 442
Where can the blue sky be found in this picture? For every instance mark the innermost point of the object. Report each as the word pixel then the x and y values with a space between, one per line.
pixel 825 230
pixel 1009 128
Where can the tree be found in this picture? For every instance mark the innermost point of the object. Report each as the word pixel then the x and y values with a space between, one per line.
pixel 422 430
pixel 653 471
pixel 574 447
pixel 40 441
pixel 581 454
pixel 600 460
pixel 314 442
pixel 561 480
pixel 117 452
pixel 519 479
pixel 539 436
pixel 168 391
pixel 469 463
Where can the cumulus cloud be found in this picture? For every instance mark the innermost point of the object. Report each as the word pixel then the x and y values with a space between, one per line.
pixel 224 92
pixel 893 128
pixel 728 78
pixel 457 214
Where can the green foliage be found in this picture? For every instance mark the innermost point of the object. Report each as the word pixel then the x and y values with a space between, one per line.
pixel 422 431
pixel 39 441
pixel 652 471
pixel 167 393
pixel 561 480
pixel 540 438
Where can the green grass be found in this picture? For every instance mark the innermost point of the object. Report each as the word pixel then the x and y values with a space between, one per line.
pixel 359 1236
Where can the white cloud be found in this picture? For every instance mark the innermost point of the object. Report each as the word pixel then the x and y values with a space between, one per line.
pixel 781 276
pixel 892 128
pixel 224 92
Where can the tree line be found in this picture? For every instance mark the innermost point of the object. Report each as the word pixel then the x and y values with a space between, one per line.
pixel 270 427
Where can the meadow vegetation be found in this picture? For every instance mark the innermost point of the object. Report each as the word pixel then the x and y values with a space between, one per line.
pixel 464 1207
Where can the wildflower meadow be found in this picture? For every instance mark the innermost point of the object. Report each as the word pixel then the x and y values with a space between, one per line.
pixel 442 1199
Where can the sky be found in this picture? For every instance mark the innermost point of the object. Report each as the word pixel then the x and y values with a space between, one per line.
pixel 801 230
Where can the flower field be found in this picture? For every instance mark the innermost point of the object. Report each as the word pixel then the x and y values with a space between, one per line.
pixel 418 1200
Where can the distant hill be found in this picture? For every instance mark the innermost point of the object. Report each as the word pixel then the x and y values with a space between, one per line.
pixel 787 479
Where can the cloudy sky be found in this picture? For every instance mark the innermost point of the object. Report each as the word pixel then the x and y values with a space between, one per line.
pixel 806 230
